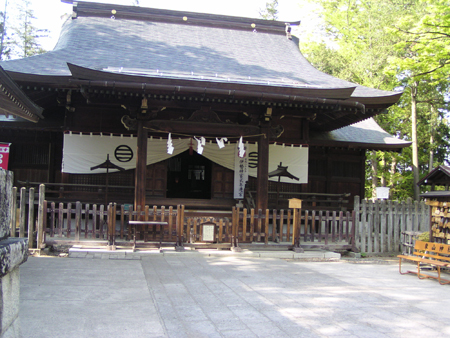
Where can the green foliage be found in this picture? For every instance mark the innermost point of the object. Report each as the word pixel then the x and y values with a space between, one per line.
pixel 424 236
pixel 430 39
pixel 4 48
pixel 389 45
pixel 25 35
pixel 270 12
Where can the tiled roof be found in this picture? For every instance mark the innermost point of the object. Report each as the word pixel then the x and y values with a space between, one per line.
pixel 145 45
pixel 13 100
pixel 365 134
pixel 438 176
pixel 160 43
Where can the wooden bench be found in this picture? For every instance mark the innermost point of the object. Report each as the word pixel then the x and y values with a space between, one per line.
pixel 436 255
pixel 147 223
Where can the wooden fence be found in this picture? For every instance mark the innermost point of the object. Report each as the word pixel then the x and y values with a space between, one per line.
pixel 380 223
pixel 373 227
pixel 326 229
pixel 73 223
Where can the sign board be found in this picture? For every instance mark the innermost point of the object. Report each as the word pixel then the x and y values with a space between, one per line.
pixel 208 232
pixel 382 193
pixel 240 173
pixel 4 155
pixel 295 203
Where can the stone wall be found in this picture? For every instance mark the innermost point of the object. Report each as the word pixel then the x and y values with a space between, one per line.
pixel 13 252
pixel 6 182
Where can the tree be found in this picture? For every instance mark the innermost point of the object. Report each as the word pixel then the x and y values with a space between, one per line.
pixel 25 35
pixel 431 37
pixel 4 49
pixel 422 65
pixel 376 44
pixel 270 12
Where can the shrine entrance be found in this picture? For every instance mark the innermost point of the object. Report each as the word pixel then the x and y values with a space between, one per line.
pixel 189 176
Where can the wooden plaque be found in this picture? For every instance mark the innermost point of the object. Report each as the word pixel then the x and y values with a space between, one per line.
pixel 295 203
pixel 208 232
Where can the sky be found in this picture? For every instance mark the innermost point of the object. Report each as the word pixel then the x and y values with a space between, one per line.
pixel 49 13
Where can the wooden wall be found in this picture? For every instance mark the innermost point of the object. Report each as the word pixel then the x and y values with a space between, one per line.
pixel 336 170
pixel 36 156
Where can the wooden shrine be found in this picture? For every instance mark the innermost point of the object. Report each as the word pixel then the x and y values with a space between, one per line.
pixel 154 88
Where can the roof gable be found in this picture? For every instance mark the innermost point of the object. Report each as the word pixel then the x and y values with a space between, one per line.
pixel 152 45
pixel 438 176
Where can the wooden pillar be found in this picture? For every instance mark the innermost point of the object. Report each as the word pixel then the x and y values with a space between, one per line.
pixel 262 181
pixel 141 166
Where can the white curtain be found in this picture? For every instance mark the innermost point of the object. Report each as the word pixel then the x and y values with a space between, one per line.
pixel 83 151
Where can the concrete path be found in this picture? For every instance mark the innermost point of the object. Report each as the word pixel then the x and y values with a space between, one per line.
pixel 195 295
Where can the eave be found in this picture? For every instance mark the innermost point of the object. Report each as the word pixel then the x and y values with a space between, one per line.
pixel 93 9
pixel 13 100
pixel 438 176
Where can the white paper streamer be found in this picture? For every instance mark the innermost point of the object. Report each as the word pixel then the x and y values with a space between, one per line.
pixel 221 142
pixel 170 146
pixel 200 144
pixel 241 148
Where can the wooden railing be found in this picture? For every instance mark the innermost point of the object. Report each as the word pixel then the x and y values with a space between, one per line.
pixel 312 201
pixel 380 223
pixel 77 222
pixel 276 227
pixel 88 192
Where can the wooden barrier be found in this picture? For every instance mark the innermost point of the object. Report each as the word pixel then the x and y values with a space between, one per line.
pixel 95 222
pixel 380 223
pixel 315 227
pixel 371 227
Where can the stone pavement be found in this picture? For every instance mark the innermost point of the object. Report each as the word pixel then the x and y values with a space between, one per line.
pixel 202 295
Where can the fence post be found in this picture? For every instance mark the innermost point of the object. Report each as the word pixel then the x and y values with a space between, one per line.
pixel 363 227
pixel 409 215
pixel 77 220
pixel 266 232
pixel 23 202
pixel 353 232
pixel 416 216
pixel 376 226
pixel 382 226
pixel 356 223
pixel 41 212
pixel 13 212
pixel 31 218
pixel 370 214
pixel 179 226
pixel 111 229
pixel 425 221
pixel 390 227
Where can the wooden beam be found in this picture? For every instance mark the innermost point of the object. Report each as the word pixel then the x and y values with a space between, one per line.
pixel 188 127
pixel 262 180
pixel 141 166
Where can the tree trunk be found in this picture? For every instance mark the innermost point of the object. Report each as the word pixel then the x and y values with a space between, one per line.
pixel 434 117
pixel 383 170
pixel 374 165
pixel 415 153
pixel 392 174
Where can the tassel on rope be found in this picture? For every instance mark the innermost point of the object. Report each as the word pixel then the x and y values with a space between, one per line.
pixel 191 150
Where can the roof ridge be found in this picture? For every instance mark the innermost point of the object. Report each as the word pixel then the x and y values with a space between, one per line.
pixel 94 9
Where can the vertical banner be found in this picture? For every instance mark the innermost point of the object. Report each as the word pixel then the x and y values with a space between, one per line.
pixel 4 155
pixel 240 172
